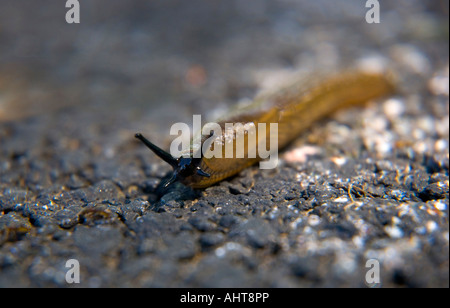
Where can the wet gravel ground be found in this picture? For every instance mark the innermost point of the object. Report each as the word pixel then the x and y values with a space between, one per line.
pixel 369 183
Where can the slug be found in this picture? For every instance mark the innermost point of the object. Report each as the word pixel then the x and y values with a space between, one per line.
pixel 294 108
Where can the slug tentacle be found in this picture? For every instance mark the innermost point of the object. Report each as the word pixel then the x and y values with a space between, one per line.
pixel 182 167
pixel 158 151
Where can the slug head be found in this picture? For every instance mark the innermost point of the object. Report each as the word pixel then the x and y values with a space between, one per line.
pixel 183 168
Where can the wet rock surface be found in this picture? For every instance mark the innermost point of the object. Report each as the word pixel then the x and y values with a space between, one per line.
pixel 74 184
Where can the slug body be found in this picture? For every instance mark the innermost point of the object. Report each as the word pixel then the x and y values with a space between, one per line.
pixel 294 108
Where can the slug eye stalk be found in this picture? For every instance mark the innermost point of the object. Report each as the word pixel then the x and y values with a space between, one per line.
pixel 182 167
pixel 158 151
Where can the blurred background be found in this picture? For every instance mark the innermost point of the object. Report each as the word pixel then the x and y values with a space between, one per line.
pixel 168 58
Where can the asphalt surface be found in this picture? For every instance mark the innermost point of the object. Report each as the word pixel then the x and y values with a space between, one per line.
pixel 367 183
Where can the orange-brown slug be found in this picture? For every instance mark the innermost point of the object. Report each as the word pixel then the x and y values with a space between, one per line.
pixel 294 108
